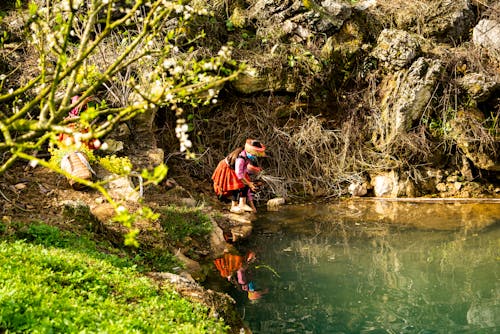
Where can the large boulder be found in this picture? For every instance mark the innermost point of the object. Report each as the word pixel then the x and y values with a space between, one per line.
pixel 358 189
pixel 289 27
pixel 297 20
pixel 473 139
pixel 121 188
pixel 448 20
pixel 486 34
pixel 478 86
pixel 254 80
pixel 391 184
pixel 396 49
pixel 217 242
pixel 404 97
pixel 385 184
pixel 343 47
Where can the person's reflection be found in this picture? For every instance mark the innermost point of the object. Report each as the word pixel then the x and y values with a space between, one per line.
pixel 237 269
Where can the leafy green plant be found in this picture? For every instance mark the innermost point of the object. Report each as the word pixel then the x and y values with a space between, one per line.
pixel 116 165
pixel 4 36
pixel 229 25
pixel 42 234
pixel 493 124
pixel 438 127
pixel 156 259
pixel 88 75
pixel 52 290
pixel 145 258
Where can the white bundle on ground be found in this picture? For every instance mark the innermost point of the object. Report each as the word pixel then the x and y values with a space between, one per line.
pixel 274 203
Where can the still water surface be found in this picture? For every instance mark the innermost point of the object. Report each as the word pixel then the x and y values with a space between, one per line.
pixel 374 267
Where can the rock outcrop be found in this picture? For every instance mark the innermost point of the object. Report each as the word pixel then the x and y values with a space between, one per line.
pixel 486 34
pixel 424 67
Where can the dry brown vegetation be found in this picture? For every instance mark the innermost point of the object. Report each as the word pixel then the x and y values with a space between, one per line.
pixel 321 137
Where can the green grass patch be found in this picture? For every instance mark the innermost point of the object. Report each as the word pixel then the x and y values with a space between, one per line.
pixel 60 290
pixel 62 281
pixel 181 222
pixel 44 234
pixel 156 259
pixel 50 236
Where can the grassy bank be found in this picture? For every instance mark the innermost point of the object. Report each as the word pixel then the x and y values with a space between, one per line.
pixel 55 281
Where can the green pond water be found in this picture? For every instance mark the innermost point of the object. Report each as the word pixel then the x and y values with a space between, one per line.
pixel 375 267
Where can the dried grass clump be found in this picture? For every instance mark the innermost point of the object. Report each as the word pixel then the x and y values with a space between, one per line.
pixel 448 108
pixel 491 8
pixel 413 15
pixel 220 7
pixel 473 133
pixel 238 18
pixel 308 156
pixel 305 157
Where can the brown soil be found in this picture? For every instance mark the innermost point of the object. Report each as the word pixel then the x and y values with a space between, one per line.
pixel 36 194
pixel 39 194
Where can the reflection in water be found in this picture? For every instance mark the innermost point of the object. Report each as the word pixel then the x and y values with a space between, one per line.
pixel 239 270
pixel 341 272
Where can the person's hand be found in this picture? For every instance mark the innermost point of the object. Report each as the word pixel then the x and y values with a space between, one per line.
pixel 252 186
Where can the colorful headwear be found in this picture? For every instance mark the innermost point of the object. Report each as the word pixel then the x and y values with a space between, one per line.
pixel 255 147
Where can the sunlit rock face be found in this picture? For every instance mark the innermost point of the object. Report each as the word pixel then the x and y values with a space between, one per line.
pixel 296 23
pixel 408 92
pixel 479 86
pixel 358 189
pixel 487 35
pixel 468 132
pixel 385 185
pixel 448 21
pixel 391 184
pixel 297 19
pixel 396 49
